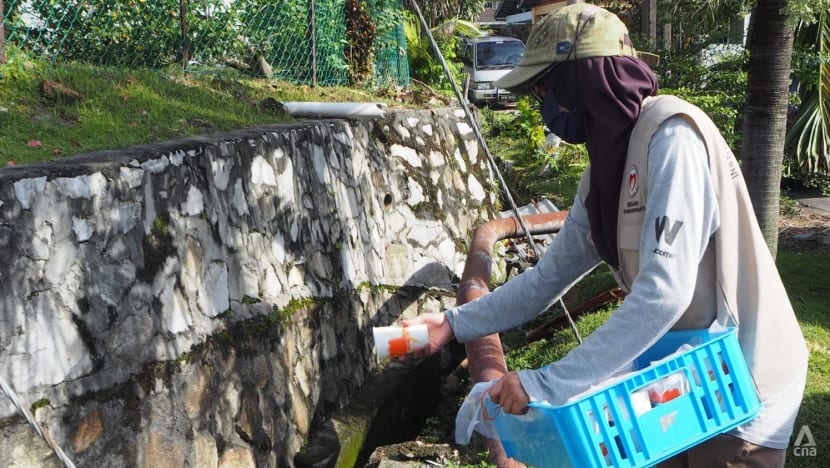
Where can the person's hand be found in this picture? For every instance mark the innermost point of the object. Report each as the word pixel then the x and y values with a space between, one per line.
pixel 509 393
pixel 440 331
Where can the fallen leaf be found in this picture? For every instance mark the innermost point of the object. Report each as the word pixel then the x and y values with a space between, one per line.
pixel 133 124
pixel 10 163
pixel 76 144
pixel 57 151
pixel 56 91
pixel 34 144
pixel 125 97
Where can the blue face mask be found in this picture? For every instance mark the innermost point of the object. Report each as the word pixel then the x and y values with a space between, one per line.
pixel 567 125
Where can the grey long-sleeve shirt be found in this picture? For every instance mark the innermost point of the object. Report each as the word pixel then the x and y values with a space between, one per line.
pixel 679 190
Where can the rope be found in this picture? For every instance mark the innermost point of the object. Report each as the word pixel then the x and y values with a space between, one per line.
pixel 474 124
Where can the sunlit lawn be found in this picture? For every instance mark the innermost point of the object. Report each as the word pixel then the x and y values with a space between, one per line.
pixel 807 277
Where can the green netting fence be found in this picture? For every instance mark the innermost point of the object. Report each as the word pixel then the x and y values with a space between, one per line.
pixel 325 42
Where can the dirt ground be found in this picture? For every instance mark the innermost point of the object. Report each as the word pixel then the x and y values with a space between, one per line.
pixel 808 230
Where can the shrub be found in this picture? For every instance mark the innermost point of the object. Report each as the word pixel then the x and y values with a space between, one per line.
pixel 718 88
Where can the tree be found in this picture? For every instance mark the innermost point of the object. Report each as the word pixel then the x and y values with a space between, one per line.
pixel 765 114
pixel 698 21
pixel 360 34
pixel 808 139
pixel 423 63
pixel 437 12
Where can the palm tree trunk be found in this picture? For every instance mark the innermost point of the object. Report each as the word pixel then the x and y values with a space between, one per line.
pixel 765 114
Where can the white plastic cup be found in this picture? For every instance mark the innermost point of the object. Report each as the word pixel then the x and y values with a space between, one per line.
pixel 640 401
pixel 393 342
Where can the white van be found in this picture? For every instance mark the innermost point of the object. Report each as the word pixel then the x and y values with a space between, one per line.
pixel 485 60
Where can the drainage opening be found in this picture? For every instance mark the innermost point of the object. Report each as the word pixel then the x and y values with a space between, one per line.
pixel 392 407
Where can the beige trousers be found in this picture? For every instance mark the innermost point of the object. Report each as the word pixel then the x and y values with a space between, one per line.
pixel 727 451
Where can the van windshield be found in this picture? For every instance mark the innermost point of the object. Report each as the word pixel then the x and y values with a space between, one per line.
pixel 502 54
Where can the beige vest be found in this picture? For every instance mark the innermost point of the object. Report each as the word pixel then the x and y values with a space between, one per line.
pixel 737 278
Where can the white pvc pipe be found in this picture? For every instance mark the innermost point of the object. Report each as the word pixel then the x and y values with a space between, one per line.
pixel 346 110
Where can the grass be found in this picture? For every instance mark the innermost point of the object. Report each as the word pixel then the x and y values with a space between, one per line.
pixel 533 174
pixel 540 353
pixel 118 108
pixel 805 276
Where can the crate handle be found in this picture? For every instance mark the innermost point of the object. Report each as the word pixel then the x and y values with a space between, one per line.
pixel 487 417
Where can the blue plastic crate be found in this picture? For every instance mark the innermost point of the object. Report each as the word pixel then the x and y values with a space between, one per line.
pixel 626 434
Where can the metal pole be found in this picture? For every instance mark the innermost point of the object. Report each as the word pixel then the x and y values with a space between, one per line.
pixel 185 39
pixel 313 46
pixel 2 34
pixel 486 150
pixel 35 425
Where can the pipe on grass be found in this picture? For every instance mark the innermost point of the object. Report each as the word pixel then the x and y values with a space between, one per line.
pixel 349 110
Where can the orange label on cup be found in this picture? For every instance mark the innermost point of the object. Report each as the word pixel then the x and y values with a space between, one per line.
pixel 399 341
pixel 398 346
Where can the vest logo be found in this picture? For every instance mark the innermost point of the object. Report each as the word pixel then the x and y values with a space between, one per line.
pixel 633 181
pixel 805 444
pixel 564 47
pixel 732 167
pixel 665 228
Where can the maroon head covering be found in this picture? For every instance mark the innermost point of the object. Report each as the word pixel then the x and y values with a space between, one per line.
pixel 611 90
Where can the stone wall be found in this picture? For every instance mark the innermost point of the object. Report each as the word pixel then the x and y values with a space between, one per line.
pixel 197 302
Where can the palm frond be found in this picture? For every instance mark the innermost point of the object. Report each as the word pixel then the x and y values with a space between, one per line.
pixel 808 139
pixel 467 28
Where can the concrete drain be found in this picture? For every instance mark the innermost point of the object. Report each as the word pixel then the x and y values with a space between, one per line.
pixel 390 408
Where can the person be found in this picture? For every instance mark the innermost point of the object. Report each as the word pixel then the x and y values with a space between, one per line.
pixel 664 205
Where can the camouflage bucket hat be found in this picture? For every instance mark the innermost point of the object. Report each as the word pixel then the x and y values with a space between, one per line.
pixel 572 32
